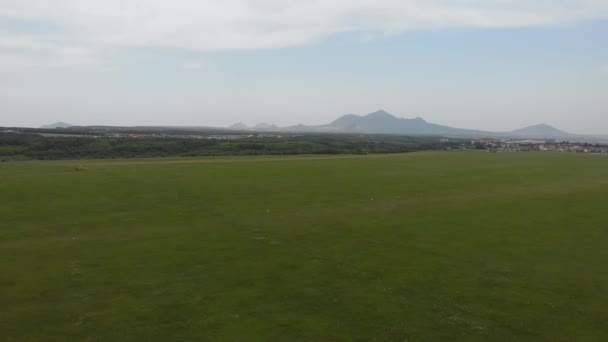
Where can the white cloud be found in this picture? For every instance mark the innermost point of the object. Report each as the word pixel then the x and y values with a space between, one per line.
pixel 604 69
pixel 89 27
pixel 23 53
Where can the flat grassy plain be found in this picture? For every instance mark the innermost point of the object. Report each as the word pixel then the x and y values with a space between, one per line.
pixel 415 247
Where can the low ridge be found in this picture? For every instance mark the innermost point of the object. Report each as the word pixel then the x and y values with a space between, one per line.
pixel 58 125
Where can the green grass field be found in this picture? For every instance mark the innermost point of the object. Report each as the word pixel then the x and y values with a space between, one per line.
pixel 416 247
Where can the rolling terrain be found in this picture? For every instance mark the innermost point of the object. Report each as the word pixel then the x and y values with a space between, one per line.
pixel 420 246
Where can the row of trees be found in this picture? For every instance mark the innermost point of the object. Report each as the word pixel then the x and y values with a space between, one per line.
pixel 14 146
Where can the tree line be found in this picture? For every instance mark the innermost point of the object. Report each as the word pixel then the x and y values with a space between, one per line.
pixel 20 146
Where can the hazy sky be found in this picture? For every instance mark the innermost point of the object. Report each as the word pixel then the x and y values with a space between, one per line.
pixel 480 64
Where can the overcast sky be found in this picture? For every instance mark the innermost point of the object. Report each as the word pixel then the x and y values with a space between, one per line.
pixel 480 64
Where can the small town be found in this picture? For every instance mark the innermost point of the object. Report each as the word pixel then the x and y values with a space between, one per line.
pixel 531 145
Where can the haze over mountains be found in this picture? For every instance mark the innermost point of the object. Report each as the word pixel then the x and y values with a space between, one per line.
pixel 59 124
pixel 382 122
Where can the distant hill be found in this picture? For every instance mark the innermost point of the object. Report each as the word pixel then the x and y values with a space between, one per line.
pixel 541 131
pixel 58 125
pixel 261 127
pixel 239 127
pixel 265 127
pixel 383 122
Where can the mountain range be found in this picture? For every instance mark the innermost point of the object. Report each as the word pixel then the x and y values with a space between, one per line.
pixel 382 122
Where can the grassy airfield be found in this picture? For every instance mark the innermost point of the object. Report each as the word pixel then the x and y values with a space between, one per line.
pixel 420 247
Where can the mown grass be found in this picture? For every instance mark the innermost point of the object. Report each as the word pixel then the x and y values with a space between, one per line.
pixel 423 246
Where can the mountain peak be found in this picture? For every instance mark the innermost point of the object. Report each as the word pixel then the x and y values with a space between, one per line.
pixel 540 130
pixel 380 114
pixel 541 125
